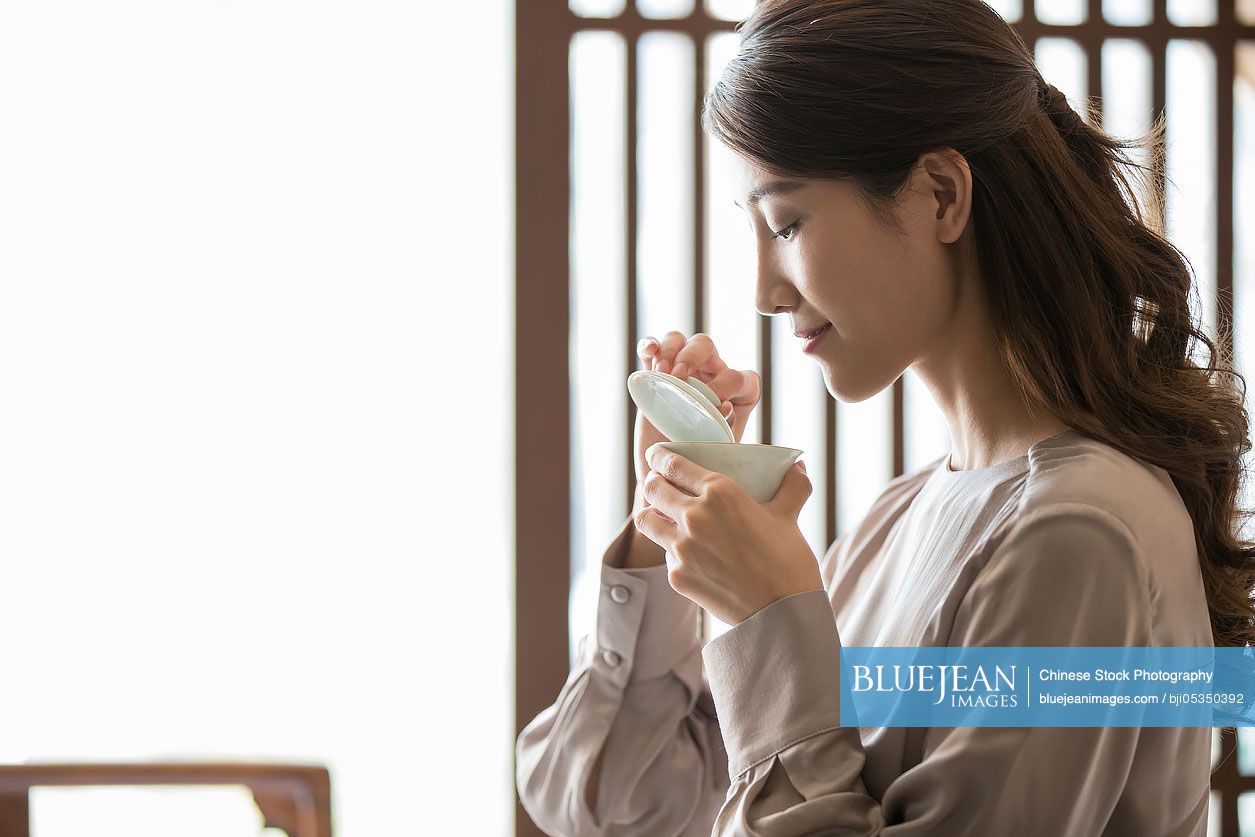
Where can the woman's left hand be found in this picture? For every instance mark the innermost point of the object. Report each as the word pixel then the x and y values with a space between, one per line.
pixel 725 551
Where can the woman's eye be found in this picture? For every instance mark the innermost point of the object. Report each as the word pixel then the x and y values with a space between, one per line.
pixel 787 232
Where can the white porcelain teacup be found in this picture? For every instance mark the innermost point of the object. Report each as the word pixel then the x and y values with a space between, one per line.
pixel 759 469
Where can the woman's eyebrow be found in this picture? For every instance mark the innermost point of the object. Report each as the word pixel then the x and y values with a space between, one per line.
pixel 775 187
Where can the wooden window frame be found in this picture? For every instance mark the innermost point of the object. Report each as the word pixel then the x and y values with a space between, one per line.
pixel 543 33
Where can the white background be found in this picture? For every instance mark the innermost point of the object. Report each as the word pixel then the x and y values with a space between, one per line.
pixel 255 442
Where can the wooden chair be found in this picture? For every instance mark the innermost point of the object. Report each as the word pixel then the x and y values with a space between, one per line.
pixel 295 798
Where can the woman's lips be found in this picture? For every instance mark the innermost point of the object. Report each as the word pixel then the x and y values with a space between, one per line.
pixel 813 338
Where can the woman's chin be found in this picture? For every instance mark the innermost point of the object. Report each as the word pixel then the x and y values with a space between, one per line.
pixel 849 389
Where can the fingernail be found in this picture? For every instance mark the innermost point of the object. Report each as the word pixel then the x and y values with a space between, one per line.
pixel 681 370
pixel 802 465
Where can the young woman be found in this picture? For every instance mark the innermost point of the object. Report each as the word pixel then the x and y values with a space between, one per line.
pixel 920 198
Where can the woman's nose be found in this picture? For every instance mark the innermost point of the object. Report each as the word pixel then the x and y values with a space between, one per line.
pixel 774 297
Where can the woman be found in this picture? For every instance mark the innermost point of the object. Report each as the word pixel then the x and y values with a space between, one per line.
pixel 920 198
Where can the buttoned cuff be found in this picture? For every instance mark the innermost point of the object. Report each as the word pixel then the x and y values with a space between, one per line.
pixel 776 678
pixel 644 628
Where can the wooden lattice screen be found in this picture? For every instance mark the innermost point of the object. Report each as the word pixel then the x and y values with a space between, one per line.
pixel 545 29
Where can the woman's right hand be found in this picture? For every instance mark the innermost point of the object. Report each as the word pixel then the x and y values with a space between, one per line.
pixel 684 357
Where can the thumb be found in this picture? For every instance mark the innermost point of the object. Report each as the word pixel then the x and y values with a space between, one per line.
pixel 793 493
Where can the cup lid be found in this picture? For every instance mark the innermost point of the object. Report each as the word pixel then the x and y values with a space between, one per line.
pixel 682 410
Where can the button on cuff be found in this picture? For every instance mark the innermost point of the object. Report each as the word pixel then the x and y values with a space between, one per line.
pixel 667 633
pixel 618 623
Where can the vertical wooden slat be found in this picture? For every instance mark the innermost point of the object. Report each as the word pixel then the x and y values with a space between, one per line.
pixel 1226 781
pixel 1028 27
pixel 542 437
pixel 1158 97
pixel 1233 783
pixel 699 186
pixel 630 302
pixel 15 814
pixel 764 360
pixel 699 219
pixel 1092 42
pixel 1226 70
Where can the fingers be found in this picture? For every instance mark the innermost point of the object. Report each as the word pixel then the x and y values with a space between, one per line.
pixel 795 489
pixel 684 474
pixel 684 357
pixel 664 496
pixel 647 349
pixel 656 526
pixel 698 354
pixel 738 386
pixel 725 384
pixel 672 342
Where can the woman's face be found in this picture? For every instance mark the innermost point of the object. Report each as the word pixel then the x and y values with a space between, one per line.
pixel 827 261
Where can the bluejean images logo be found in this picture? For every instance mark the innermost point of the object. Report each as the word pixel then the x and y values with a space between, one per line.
pixel 1047 686
pixel 964 686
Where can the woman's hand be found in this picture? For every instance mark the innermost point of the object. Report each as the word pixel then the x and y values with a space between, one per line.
pixel 725 551
pixel 695 357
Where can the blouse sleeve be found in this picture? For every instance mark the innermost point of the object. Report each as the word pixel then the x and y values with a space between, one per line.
pixel 637 689
pixel 1065 575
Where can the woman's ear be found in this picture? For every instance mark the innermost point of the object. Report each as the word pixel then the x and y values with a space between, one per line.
pixel 950 182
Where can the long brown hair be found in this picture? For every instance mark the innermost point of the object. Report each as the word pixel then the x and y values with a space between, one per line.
pixel 1090 301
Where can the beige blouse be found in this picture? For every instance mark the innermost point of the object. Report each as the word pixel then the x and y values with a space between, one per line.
pixel 1073 543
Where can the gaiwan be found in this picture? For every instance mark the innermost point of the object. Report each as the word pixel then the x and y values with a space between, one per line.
pixel 686 411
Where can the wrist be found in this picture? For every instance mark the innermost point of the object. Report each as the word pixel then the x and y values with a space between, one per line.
pixel 639 551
